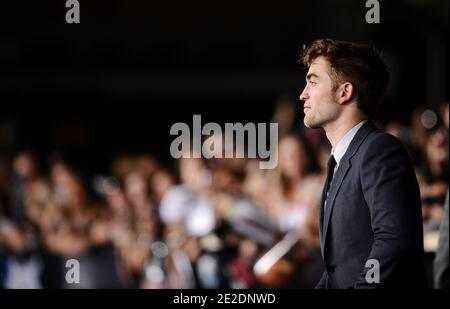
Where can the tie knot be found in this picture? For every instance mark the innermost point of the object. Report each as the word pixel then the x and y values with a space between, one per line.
pixel 331 162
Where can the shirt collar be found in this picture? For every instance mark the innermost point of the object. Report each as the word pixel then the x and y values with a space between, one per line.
pixel 341 148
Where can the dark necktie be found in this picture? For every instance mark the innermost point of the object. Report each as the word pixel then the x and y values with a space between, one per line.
pixel 331 166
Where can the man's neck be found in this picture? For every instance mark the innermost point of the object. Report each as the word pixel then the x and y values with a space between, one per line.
pixel 335 131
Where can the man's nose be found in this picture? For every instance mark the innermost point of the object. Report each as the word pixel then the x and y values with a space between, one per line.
pixel 303 95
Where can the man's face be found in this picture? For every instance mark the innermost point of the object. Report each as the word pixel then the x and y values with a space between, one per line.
pixel 320 106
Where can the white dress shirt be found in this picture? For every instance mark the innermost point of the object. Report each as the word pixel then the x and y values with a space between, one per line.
pixel 341 148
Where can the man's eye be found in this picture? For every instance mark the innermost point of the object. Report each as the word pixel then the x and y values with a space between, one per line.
pixel 312 83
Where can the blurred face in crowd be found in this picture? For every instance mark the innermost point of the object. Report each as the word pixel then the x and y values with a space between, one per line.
pixel 194 174
pixel 67 189
pixel 320 106
pixel 292 160
pixel 161 182
pixel 135 184
pixel 284 115
pixel 24 165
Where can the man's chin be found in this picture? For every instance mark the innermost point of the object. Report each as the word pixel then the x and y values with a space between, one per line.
pixel 311 125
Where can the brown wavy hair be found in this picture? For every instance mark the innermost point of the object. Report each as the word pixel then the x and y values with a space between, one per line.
pixel 359 64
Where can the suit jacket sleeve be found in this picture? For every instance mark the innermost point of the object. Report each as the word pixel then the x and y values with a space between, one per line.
pixel 391 192
pixel 441 263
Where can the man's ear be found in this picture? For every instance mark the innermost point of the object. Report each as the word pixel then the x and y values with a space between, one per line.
pixel 345 93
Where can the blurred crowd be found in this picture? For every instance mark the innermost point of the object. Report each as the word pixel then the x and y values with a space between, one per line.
pixel 201 223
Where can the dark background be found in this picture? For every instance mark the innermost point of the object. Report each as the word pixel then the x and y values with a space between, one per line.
pixel 117 81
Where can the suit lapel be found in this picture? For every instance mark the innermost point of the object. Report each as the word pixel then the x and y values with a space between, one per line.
pixel 322 202
pixel 335 185
pixel 344 167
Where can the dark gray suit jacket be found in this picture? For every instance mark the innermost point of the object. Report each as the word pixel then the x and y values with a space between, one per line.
pixel 373 212
pixel 441 263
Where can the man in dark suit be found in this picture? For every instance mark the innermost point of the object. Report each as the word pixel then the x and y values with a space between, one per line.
pixel 371 223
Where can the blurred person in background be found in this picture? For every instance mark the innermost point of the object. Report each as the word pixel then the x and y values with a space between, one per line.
pixel 290 194
pixel 181 201
pixel 18 231
pixel 419 132
pixel 433 200
pixel 161 182
pixel 441 274
pixel 432 172
pixel 65 220
pixel 294 182
pixel 74 224
pixel 187 211
pixel 441 265
pixel 285 115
